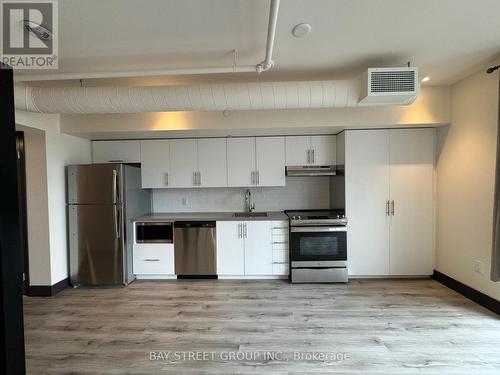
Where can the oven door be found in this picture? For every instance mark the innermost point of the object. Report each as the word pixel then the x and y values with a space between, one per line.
pixel 325 246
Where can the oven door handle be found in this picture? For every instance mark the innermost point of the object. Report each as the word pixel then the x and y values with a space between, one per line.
pixel 318 229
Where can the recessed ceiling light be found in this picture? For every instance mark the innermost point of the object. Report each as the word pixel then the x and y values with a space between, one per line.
pixel 301 30
pixel 426 79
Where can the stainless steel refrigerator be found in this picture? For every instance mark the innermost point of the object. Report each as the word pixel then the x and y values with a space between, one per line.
pixel 103 199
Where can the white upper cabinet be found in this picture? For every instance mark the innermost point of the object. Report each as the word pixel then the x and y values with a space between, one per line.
pixel 155 163
pixel 241 169
pixel 212 167
pixel 183 163
pixel 323 148
pixel 270 161
pixel 116 151
pixel 412 221
pixel 311 150
pixel 298 150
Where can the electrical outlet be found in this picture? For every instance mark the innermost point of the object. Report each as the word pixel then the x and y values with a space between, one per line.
pixel 478 266
pixel 184 201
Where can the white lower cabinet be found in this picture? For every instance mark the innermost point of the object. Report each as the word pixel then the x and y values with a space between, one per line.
pixel 230 248
pixel 153 260
pixel 247 248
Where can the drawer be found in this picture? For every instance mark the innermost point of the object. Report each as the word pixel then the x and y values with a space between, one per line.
pixel 154 259
pixel 280 240
pixel 280 256
pixel 279 231
pixel 280 269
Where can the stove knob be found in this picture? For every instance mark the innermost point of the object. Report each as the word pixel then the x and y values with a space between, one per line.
pixel 338 216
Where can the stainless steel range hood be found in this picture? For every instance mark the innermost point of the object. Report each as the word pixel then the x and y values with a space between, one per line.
pixel 311 170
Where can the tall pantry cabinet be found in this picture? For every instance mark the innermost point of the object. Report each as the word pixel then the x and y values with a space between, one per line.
pixel 389 176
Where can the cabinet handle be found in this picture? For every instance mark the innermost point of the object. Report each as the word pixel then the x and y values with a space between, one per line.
pixel 239 230
pixel 258 177
pixel 392 208
pixel 151 260
pixel 387 210
pixel 280 262
pixel 308 153
pixel 251 178
pixel 165 179
pixel 280 227
pixel 312 151
pixel 199 178
pixel 245 230
pixel 279 242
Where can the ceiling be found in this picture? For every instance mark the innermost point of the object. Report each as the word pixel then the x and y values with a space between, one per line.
pixel 446 39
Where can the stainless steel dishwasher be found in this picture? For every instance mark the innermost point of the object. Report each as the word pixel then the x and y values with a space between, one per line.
pixel 195 249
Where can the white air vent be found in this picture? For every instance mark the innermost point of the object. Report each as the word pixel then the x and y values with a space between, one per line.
pixel 391 86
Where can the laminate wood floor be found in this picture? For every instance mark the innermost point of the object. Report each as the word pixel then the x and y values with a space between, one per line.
pixel 381 326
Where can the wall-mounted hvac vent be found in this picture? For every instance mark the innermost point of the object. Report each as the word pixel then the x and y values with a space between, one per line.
pixel 389 86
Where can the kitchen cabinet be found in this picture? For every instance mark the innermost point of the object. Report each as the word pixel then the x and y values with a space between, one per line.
pixel 183 163
pixel 241 161
pixel 389 201
pixel 311 150
pixel 212 162
pixel 270 161
pixel 245 248
pixel 230 248
pixel 256 161
pixel 258 248
pixel 153 260
pixel 155 163
pixel 116 152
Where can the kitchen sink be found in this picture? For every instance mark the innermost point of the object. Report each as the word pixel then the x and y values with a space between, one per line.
pixel 250 214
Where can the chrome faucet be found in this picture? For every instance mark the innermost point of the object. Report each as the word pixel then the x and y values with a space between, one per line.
pixel 249 205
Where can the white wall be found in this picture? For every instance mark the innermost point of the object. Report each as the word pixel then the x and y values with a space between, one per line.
pixel 299 193
pixel 465 183
pixel 62 150
pixel 37 203
pixel 49 263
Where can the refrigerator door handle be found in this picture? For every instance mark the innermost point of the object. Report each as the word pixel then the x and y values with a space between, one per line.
pixel 116 194
pixel 117 220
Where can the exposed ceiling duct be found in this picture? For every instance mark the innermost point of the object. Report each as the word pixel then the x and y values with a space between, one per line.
pixel 380 86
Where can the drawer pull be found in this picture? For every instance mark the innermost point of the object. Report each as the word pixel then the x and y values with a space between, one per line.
pixel 280 262
pixel 280 227
pixel 279 242
pixel 151 260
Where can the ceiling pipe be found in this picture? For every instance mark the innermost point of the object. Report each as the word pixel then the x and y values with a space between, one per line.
pixel 268 62
pixel 263 66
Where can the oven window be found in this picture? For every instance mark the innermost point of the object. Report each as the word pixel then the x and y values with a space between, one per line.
pixel 316 246
pixel 323 245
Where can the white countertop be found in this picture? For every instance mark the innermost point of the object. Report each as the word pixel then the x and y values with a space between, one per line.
pixel 208 216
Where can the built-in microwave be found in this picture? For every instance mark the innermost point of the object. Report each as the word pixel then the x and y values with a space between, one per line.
pixel 154 232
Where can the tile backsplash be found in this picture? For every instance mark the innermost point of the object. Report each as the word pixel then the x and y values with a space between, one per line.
pixel 299 193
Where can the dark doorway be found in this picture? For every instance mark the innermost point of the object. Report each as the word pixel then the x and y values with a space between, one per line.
pixel 23 209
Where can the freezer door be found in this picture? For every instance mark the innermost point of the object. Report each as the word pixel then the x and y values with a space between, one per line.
pixel 96 244
pixel 95 184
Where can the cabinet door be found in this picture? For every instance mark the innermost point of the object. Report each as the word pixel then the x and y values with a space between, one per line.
pixel 183 162
pixel 324 149
pixel 297 150
pixel 116 151
pixel 411 171
pixel 258 248
pixel 270 161
pixel 230 248
pixel 212 162
pixel 367 192
pixel 241 161
pixel 155 163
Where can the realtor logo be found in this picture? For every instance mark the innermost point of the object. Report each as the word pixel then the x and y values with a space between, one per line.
pixel 29 34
